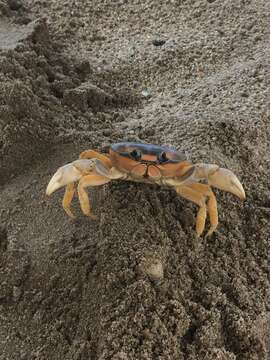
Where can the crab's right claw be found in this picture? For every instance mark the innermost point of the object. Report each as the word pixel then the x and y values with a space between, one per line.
pixel 63 176
pixel 226 180
pixel 69 173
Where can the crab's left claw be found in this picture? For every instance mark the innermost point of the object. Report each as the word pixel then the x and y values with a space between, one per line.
pixel 226 180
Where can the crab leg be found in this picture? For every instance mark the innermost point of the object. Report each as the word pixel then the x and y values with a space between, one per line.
pixel 89 180
pixel 211 205
pixel 67 199
pixel 90 154
pixel 82 170
pixel 199 199
pixel 199 193
pixel 213 214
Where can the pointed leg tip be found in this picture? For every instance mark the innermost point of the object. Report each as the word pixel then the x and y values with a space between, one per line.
pixel 92 216
pixel 69 213
pixel 199 233
pixel 209 234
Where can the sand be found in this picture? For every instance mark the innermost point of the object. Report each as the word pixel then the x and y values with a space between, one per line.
pixel 136 283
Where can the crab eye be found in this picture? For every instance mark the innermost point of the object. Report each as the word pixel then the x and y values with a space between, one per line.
pixel 162 157
pixel 136 155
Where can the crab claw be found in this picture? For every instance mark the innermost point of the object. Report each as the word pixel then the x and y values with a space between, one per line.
pixel 69 173
pixel 226 180
pixel 63 176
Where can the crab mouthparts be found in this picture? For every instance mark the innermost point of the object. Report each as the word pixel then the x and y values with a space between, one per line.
pixel 146 171
pixel 146 175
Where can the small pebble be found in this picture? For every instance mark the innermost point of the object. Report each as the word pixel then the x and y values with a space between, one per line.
pixel 153 268
pixel 158 42
pixel 149 132
pixel 17 292
pixel 107 132
pixel 146 94
pixel 14 4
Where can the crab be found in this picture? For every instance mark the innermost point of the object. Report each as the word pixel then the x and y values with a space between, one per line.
pixel 151 164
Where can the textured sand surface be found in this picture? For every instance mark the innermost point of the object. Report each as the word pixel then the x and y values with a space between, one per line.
pixel 137 283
